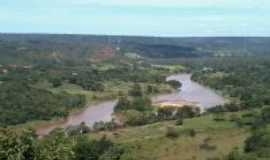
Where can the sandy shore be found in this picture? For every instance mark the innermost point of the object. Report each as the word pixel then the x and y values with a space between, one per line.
pixel 177 103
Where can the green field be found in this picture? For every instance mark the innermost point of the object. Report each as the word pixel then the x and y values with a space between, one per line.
pixel 150 142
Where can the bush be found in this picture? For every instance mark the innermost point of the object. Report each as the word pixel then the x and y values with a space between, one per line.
pixel 77 130
pixel 219 117
pixel 86 149
pixel 165 113
pixel 15 145
pixel 259 140
pixel 171 132
pixel 174 83
pixel 122 104
pixel 152 89
pixel 134 118
pixel 113 153
pixel 179 122
pixel 234 118
pixel 104 126
pixel 192 133
pixel 56 82
pixel 135 103
pixel 136 90
pixel 187 112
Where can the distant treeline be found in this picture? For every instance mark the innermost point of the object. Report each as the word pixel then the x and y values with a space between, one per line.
pixel 46 48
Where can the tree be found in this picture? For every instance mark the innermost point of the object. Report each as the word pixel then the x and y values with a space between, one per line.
pixel 187 112
pixel 136 90
pixel 265 114
pixel 56 146
pixel 259 140
pixel 174 83
pixel 171 132
pixel 141 103
pixel 56 82
pixel 17 146
pixel 122 104
pixel 165 113
pixel 179 122
pixel 151 89
pixel 86 149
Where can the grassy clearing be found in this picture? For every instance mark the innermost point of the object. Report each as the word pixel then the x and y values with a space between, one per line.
pixel 171 68
pixel 150 143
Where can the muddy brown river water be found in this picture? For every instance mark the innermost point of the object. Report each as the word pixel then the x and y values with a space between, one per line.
pixel 190 91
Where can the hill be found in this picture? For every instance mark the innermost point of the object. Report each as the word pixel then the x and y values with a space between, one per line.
pixel 51 49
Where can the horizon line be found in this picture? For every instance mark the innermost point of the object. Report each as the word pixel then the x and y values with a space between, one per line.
pixel 131 35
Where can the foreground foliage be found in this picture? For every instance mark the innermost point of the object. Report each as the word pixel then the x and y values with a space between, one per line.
pixel 24 145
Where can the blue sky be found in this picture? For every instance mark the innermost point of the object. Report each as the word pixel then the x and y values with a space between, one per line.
pixel 137 17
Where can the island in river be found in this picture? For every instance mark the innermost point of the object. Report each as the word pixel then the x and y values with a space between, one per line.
pixel 190 93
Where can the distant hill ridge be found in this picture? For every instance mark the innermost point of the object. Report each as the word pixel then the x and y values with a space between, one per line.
pixel 53 48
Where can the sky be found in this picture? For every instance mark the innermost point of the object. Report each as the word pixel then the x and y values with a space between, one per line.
pixel 173 18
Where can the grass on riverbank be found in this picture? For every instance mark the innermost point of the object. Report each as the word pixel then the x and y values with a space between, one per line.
pixel 213 140
pixel 111 89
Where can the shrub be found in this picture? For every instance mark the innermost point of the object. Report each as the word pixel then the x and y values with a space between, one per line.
pixel 187 112
pixel 79 129
pixel 56 82
pixel 136 90
pixel 234 118
pixel 134 118
pixel 171 132
pixel 179 122
pixel 122 104
pixel 102 126
pixel 165 113
pixel 219 117
pixel 259 140
pixel 192 133
pixel 174 83
pixel 135 103
pixel 86 149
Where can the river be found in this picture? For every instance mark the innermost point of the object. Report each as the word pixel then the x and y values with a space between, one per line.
pixel 190 91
